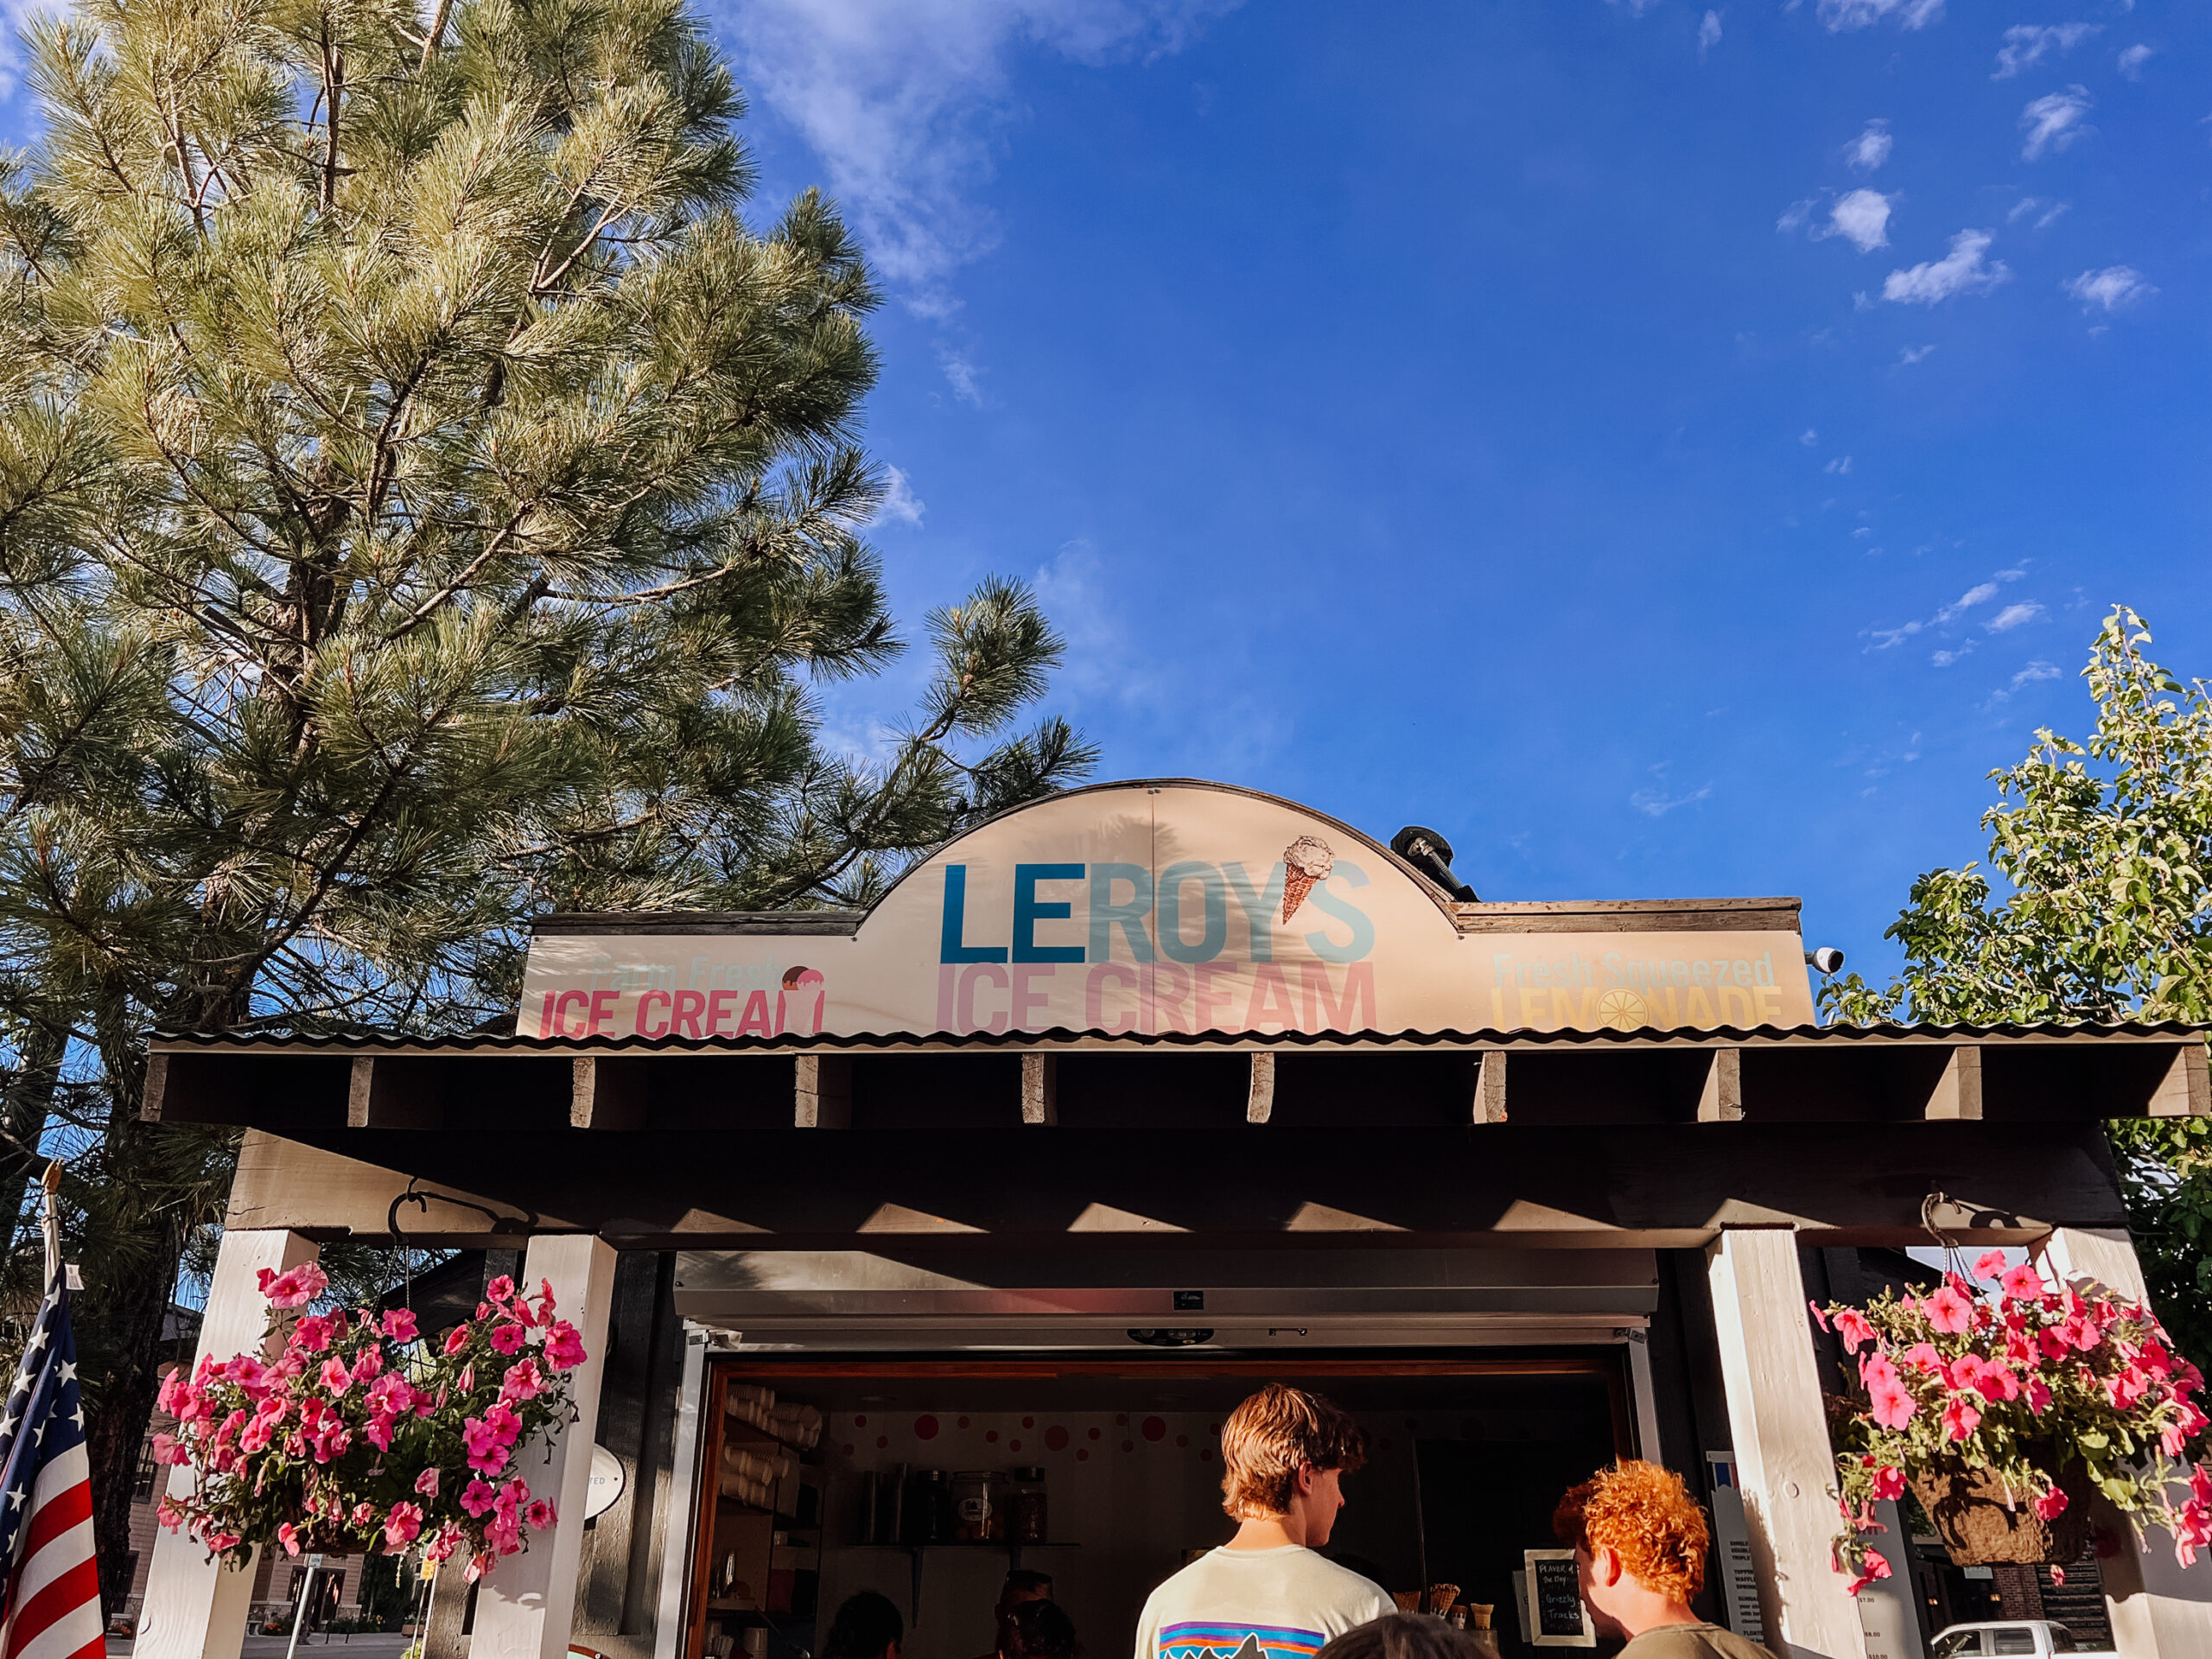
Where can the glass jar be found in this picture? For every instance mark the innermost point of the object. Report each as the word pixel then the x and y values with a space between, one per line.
pixel 974 1507
pixel 1026 1512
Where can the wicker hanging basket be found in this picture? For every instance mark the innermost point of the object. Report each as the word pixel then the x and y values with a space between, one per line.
pixel 1984 1523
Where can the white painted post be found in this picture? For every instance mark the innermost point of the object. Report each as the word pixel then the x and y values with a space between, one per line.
pixel 677 1517
pixel 195 1609
pixel 1783 1456
pixel 2160 1610
pixel 527 1604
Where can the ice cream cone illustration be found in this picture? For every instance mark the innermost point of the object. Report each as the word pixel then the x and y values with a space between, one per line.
pixel 1304 861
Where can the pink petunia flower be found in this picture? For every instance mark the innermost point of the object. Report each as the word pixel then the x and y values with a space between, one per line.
pixel 1990 1265
pixel 457 1339
pixel 508 1338
pixel 364 1512
pixel 1854 1329
pixel 1893 1404
pixel 1888 1481
pixel 522 1382
pixel 487 1454
pixel 1948 1312
pixel 399 1324
pixel 2022 1284
pixel 477 1497
pixel 564 1348
pixel 499 1291
pixel 1960 1419
pixel 2052 1505
pixel 1923 1357
pixel 401 1526
pixel 427 1483
pixel 1872 1569
pixel 502 1422
pixel 289 1535
pixel 295 1288
pixel 541 1515
pixel 335 1377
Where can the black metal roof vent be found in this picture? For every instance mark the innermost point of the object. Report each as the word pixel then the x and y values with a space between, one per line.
pixel 1430 854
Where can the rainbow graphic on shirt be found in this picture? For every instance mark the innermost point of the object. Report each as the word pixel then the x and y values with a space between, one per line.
pixel 1210 1639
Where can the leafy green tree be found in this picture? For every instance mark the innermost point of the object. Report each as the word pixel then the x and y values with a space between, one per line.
pixel 425 499
pixel 2103 849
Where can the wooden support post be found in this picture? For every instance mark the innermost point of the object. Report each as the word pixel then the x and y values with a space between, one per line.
pixel 524 1611
pixel 1489 1087
pixel 1723 1099
pixel 195 1609
pixel 2159 1609
pixel 1040 1089
pixel 606 1093
pixel 1260 1101
pixel 1958 1092
pixel 2186 1091
pixel 823 1093
pixel 382 1096
pixel 1781 1435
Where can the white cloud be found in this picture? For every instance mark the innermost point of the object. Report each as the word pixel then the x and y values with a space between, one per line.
pixel 961 375
pixel 1962 271
pixel 1841 15
pixel 2054 121
pixel 2026 44
pixel 1863 216
pixel 899 102
pixel 1980 593
pixel 2035 671
pixel 1808 437
pixel 1945 659
pixel 1794 215
pixel 1914 354
pixel 1840 464
pixel 2113 287
pixel 900 503
pixel 2046 212
pixel 1708 34
pixel 2132 59
pixel 1657 803
pixel 2013 615
pixel 1870 148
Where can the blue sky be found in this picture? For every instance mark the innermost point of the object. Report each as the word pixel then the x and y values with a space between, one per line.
pixel 1672 451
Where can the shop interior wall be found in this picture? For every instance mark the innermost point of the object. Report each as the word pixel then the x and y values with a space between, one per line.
pixel 1132 1493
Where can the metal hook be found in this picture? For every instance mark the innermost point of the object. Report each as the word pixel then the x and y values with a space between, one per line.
pixel 505 1225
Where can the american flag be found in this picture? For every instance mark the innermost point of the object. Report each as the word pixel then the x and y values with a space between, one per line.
pixel 52 1591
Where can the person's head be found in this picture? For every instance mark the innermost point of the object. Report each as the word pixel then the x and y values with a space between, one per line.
pixel 867 1626
pixel 1023 1584
pixel 1283 1451
pixel 1037 1630
pixel 1403 1635
pixel 1639 1541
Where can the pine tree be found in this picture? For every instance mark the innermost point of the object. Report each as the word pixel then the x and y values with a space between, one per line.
pixel 425 499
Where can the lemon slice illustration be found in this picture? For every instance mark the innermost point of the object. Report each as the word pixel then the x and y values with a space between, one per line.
pixel 1622 1010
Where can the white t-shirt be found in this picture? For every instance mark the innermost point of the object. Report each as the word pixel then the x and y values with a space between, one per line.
pixel 1256 1604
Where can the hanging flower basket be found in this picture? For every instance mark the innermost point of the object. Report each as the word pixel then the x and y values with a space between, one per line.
pixel 1983 1521
pixel 361 1436
pixel 2007 1404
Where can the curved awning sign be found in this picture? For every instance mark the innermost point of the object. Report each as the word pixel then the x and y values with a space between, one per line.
pixel 1150 908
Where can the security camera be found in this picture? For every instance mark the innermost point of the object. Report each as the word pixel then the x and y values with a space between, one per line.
pixel 1430 854
pixel 1827 959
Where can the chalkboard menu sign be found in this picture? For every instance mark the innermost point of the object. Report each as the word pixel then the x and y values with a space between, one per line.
pixel 1556 1616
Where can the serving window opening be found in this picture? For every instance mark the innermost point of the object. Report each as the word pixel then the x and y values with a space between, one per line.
pixel 931 1481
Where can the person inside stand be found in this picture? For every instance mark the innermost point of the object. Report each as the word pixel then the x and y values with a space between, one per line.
pixel 1403 1635
pixel 1022 1584
pixel 1640 1542
pixel 1268 1593
pixel 867 1626
pixel 1038 1630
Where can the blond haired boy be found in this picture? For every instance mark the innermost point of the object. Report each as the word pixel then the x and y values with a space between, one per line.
pixel 1267 1593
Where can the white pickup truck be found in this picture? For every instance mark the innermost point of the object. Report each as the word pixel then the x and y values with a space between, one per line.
pixel 2030 1638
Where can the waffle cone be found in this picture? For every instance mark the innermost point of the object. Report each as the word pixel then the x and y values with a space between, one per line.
pixel 1296 884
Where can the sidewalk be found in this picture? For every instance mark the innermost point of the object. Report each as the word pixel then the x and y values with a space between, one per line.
pixel 364 1646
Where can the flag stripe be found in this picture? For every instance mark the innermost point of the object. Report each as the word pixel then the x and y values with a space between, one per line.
pixel 46 1565
pixel 55 1618
pixel 60 1499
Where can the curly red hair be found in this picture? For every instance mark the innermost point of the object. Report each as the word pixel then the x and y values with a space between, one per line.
pixel 1647 1516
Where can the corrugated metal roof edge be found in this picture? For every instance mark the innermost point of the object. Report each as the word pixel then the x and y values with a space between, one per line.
pixel 1720 1036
